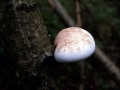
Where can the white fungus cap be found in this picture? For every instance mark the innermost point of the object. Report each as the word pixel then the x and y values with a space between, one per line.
pixel 73 44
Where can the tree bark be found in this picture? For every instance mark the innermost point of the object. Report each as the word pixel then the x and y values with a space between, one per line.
pixel 29 44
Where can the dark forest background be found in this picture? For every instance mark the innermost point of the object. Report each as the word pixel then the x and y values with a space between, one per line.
pixel 102 19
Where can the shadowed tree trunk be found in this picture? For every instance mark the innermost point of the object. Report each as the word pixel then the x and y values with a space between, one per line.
pixel 29 44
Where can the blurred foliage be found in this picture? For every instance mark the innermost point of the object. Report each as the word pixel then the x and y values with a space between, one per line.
pixel 107 19
pixel 1 49
pixel 105 13
pixel 102 19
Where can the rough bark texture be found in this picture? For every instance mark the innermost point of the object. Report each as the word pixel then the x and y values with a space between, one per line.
pixel 29 44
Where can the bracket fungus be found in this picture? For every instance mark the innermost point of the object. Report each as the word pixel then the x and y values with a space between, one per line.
pixel 73 44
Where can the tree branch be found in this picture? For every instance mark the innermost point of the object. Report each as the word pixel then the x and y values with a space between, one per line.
pixel 79 23
pixel 98 52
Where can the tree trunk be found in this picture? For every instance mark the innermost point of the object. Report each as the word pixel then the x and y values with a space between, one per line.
pixel 29 44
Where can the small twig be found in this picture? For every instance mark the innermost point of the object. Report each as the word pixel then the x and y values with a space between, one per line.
pixel 58 7
pixel 78 13
pixel 107 62
pixel 79 22
pixel 98 52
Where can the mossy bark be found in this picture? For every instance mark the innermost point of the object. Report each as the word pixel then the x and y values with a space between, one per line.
pixel 29 44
